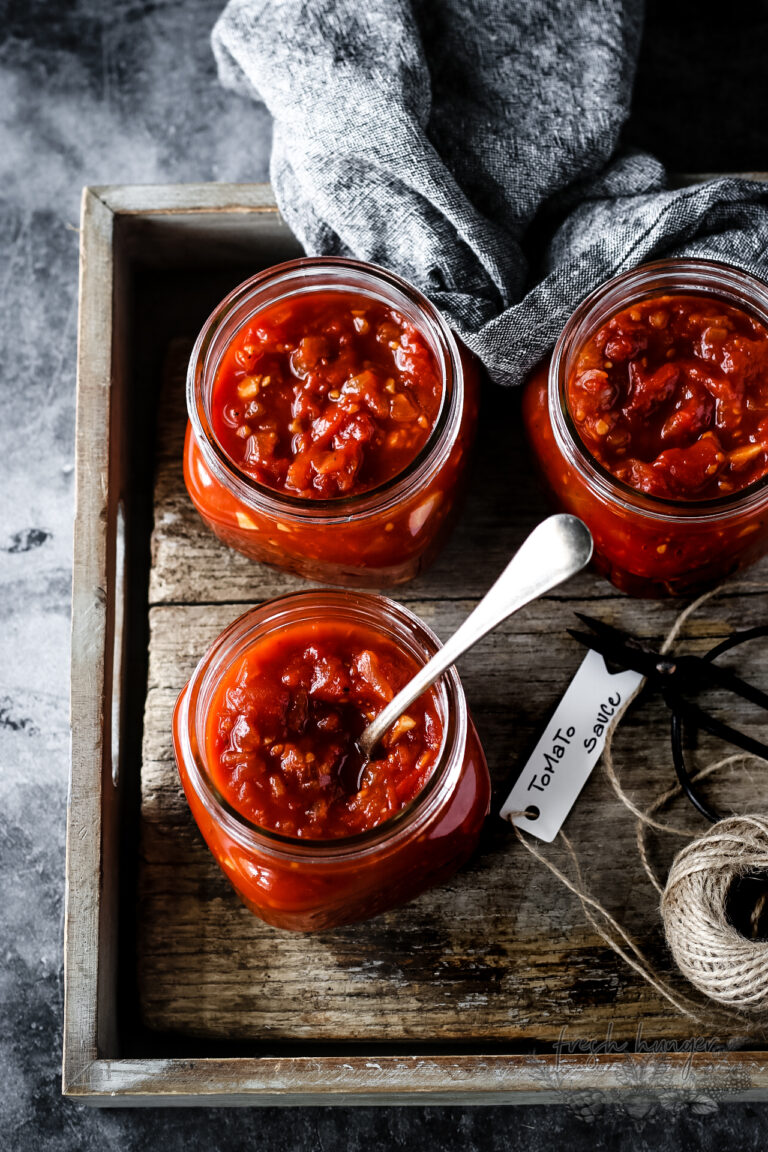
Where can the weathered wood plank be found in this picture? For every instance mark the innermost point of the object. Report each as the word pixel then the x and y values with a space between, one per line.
pixel 89 954
pixel 425 1079
pixel 502 953
pixel 181 199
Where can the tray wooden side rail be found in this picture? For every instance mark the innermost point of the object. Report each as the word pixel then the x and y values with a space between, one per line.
pixel 491 989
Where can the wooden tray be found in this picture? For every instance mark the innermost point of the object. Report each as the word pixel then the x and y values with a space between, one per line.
pixel 491 988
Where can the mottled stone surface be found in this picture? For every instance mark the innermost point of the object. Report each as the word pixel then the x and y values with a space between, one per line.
pixel 110 91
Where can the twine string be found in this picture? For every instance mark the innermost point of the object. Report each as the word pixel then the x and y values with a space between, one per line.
pixel 612 933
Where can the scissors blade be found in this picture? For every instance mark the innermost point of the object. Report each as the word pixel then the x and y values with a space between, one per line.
pixel 618 652
pixel 617 636
pixel 602 628
pixel 675 673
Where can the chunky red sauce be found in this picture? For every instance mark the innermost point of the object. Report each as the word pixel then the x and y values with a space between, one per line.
pixel 283 723
pixel 671 397
pixel 326 394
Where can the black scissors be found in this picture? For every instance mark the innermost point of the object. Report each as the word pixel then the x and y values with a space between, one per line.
pixel 680 679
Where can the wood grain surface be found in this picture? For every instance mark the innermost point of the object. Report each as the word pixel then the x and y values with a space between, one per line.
pixel 501 955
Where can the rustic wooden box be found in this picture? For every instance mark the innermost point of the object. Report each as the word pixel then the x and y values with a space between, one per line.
pixel 491 989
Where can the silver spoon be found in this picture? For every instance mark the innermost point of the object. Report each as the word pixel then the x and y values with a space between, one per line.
pixel 557 549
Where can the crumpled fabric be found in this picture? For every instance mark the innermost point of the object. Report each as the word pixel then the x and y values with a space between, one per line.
pixel 472 146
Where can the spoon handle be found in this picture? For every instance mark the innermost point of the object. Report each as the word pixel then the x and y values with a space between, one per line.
pixel 557 548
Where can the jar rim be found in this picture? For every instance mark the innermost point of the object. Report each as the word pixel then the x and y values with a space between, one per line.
pixel 657 277
pixel 258 622
pixel 297 275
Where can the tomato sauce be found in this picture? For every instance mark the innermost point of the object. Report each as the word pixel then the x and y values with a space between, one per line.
pixel 327 394
pixel 283 725
pixel 671 397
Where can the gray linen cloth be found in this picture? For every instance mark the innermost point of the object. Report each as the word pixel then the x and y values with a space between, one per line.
pixel 471 146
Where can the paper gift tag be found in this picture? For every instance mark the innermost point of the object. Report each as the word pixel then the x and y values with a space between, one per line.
pixel 570 747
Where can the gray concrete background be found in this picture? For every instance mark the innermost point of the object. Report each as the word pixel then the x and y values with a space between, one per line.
pixel 111 91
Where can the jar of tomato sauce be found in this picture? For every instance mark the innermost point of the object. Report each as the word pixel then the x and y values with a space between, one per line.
pixel 331 414
pixel 650 423
pixel 309 834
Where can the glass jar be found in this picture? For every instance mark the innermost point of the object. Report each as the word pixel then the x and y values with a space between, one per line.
pixel 378 538
pixel 305 885
pixel 645 545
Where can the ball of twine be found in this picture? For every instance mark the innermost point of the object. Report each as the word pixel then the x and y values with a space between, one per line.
pixel 708 949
